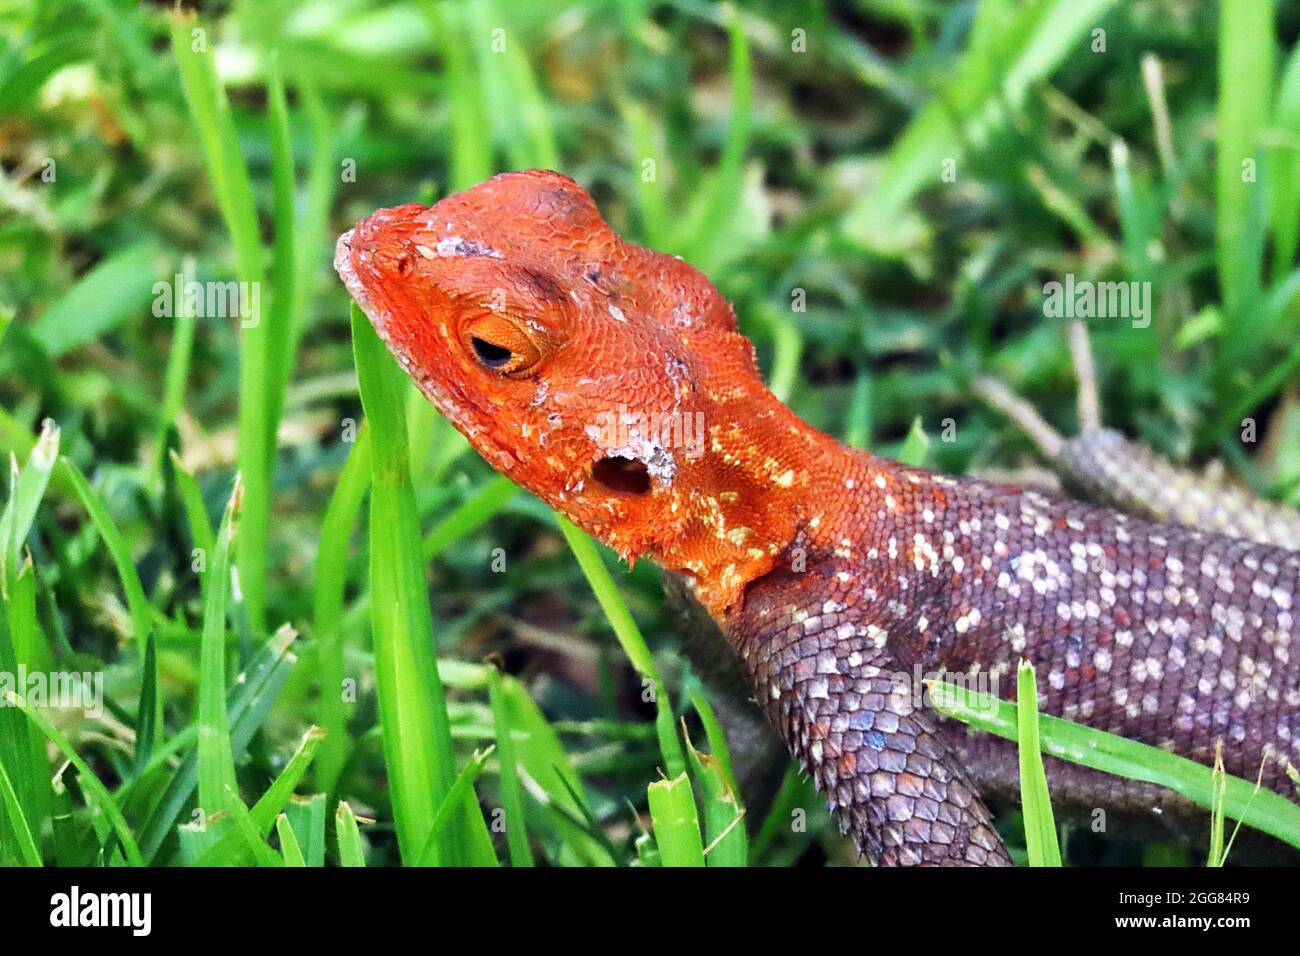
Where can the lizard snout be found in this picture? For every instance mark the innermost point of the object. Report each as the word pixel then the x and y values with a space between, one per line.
pixel 344 266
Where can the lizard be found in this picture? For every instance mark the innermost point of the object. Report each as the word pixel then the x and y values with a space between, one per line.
pixel 613 382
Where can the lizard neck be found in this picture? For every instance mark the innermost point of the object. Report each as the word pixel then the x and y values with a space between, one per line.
pixel 768 490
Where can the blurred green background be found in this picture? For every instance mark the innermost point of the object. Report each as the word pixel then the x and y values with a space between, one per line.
pixel 881 187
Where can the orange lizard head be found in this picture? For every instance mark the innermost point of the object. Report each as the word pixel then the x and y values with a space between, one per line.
pixel 607 379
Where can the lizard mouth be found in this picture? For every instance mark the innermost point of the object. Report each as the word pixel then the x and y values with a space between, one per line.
pixel 625 476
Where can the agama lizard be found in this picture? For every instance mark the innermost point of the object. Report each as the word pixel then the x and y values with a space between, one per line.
pixel 577 364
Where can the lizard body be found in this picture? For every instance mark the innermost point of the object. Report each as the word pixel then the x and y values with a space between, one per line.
pixel 612 382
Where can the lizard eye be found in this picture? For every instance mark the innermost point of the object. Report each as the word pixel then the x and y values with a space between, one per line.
pixel 499 344
pixel 490 354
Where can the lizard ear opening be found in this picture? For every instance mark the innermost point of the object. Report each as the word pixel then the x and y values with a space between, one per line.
pixel 627 476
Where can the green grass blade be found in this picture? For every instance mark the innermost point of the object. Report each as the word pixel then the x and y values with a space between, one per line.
pixel 17 821
pixel 307 820
pixel 328 586
pixel 629 637
pixel 857 430
pixel 650 193
pixel 245 829
pixel 1261 809
pixel 413 714
pixel 1284 167
pixel 1040 824
pixel 148 722
pixel 248 703
pixel 215 752
pixel 515 102
pixel 28 488
pixel 29 646
pixel 322 180
pixel 724 818
pixel 713 730
pixel 351 851
pixel 787 348
pixel 1140 224
pixel 196 836
pixel 470 515
pixel 281 337
pixel 289 847
pixel 550 771
pixel 89 781
pixel 137 604
pixel 22 83
pixel 413 710
pixel 1246 41
pixel 269 805
pixel 512 795
pixel 577 827
pixel 278 794
pixel 1219 790
pixel 196 512
pixel 915 446
pixel 471 153
pixel 117 289
pixel 708 226
pixel 22 640
pixel 210 110
pixel 534 114
pixel 69 847
pixel 676 823
pixel 23 644
pixel 178 368
pixel 1218 855
pixel 228 173
pixel 461 792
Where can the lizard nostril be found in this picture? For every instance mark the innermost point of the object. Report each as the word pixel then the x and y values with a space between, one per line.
pixel 623 475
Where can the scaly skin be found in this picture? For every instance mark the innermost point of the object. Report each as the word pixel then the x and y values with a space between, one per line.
pixel 1102 465
pixel 837 576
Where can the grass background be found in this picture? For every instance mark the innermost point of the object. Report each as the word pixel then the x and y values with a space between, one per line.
pixel 413 667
